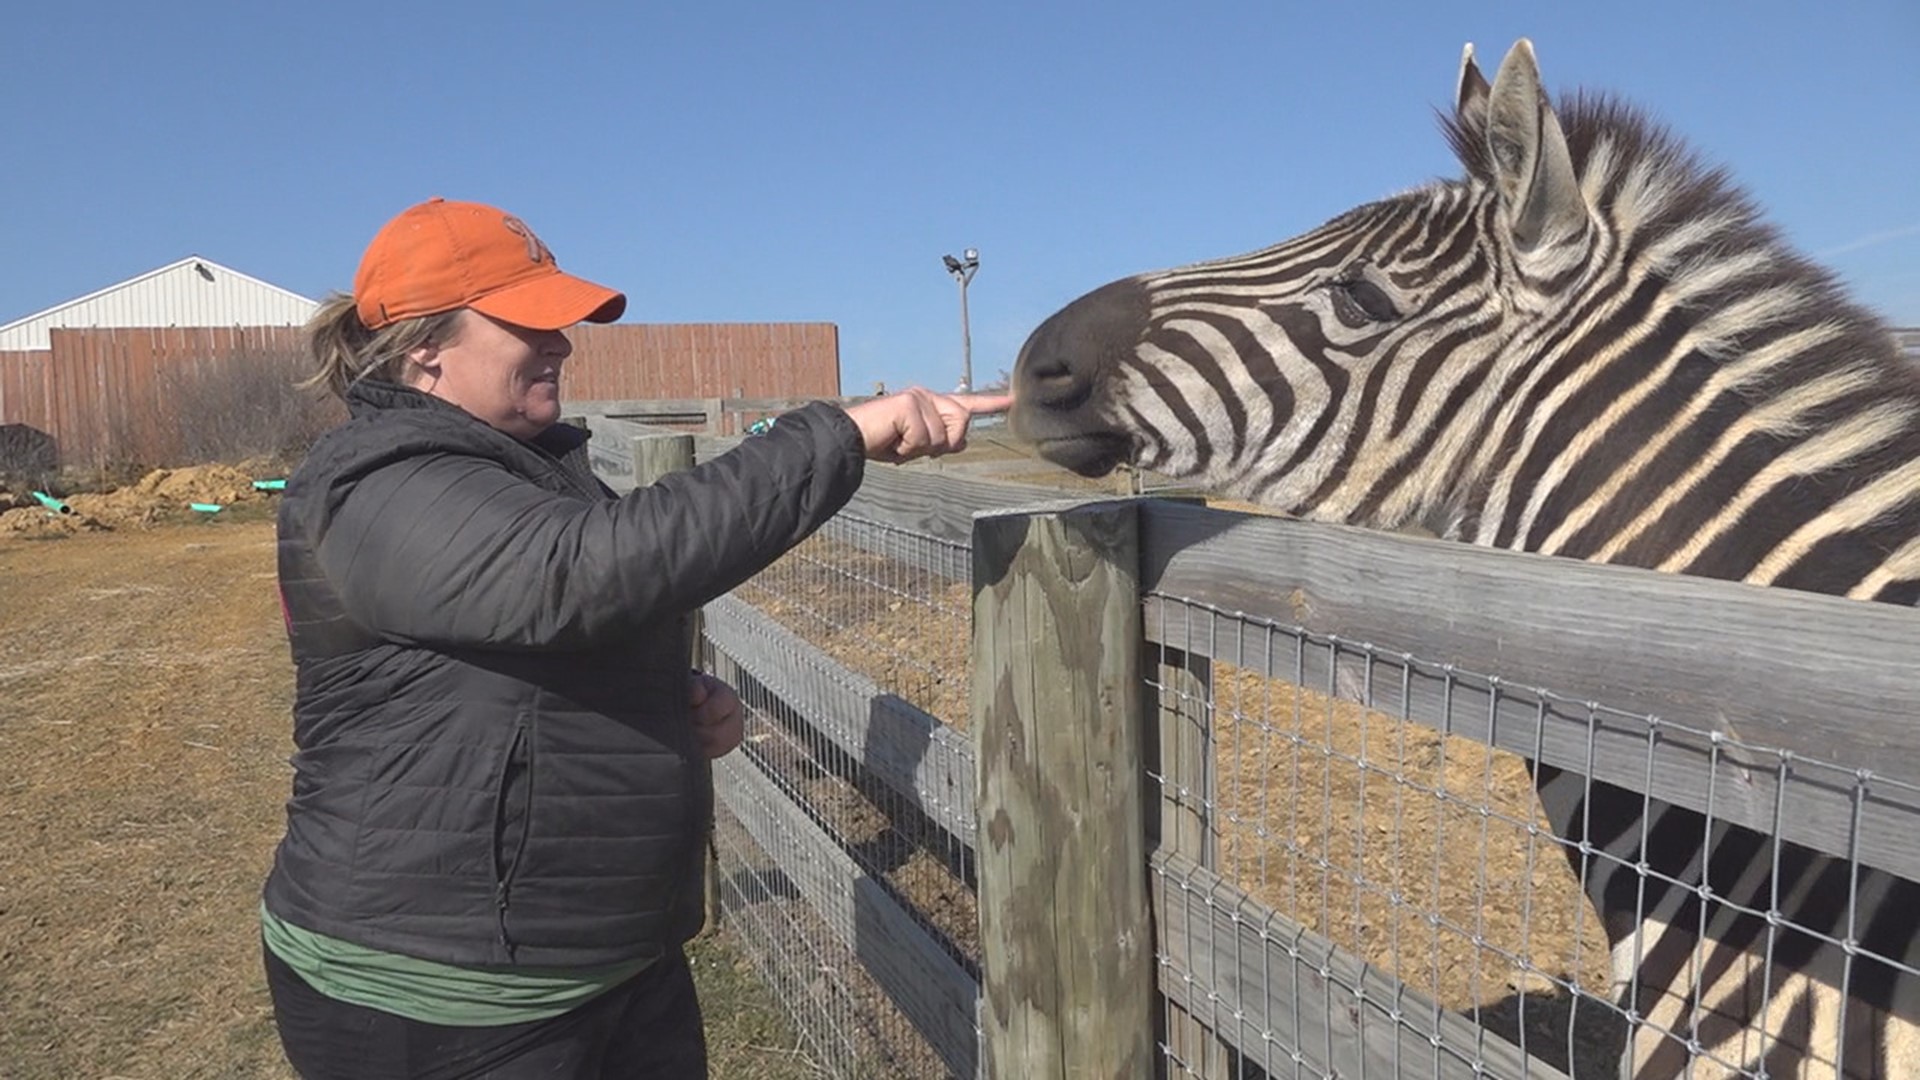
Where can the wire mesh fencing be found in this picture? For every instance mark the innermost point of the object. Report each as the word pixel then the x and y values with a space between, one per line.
pixel 1369 862
pixel 1568 919
pixel 860 602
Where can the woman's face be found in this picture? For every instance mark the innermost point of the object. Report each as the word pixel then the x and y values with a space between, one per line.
pixel 507 375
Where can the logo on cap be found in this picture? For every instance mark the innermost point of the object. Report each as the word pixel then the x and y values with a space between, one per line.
pixel 536 249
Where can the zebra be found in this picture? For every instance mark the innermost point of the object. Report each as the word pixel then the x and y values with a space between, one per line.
pixel 1593 346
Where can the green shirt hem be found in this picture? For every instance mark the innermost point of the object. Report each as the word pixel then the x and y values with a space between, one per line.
pixel 432 992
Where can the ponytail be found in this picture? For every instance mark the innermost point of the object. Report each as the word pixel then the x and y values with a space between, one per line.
pixel 345 351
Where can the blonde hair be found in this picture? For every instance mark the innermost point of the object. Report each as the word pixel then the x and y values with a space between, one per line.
pixel 345 351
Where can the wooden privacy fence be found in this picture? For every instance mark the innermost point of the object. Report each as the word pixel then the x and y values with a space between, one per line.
pixel 703 360
pixel 159 395
pixel 143 394
pixel 1155 717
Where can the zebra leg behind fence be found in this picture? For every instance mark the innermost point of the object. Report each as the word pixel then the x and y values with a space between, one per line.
pixel 1713 985
pixel 1589 346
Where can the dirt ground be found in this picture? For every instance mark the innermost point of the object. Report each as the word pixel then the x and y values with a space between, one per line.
pixel 144 695
pixel 162 496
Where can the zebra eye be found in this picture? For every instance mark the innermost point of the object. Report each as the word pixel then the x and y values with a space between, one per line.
pixel 1362 301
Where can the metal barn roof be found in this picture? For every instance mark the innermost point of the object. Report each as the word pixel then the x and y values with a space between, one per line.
pixel 195 291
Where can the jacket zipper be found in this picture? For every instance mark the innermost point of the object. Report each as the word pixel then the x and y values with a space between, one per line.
pixel 504 873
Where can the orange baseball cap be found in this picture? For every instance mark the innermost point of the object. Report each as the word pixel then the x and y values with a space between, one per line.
pixel 442 255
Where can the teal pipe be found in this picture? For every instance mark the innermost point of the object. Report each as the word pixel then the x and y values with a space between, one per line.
pixel 270 485
pixel 52 504
pixel 207 508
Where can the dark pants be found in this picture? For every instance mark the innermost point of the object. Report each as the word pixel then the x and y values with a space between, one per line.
pixel 646 1028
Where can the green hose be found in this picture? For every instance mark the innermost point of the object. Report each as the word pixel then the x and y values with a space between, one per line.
pixel 53 505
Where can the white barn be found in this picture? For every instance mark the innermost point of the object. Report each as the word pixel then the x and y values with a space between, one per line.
pixel 192 292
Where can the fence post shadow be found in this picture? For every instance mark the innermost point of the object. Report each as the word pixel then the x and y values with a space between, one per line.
pixel 1554 1020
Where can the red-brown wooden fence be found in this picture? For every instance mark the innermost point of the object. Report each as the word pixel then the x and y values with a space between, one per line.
pixel 109 395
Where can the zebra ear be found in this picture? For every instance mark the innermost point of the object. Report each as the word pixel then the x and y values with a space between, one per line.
pixel 1532 169
pixel 1470 93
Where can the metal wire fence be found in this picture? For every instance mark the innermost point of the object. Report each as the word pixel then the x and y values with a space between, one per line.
pixel 897 622
pixel 1428 856
pixel 1383 864
pixel 1420 853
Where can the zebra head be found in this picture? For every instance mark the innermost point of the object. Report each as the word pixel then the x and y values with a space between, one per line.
pixel 1318 375
pixel 1588 346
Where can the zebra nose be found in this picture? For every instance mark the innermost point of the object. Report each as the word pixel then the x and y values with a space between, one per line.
pixel 1063 361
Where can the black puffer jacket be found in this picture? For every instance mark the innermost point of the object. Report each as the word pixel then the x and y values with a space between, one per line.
pixel 494 762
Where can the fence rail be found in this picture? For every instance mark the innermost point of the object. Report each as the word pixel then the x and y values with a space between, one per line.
pixel 711 416
pixel 1283 996
pixel 1784 712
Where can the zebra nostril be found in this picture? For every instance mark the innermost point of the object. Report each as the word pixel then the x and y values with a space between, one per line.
pixel 1052 375
pixel 1054 384
pixel 1048 371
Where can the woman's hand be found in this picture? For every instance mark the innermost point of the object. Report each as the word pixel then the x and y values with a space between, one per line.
pixel 917 423
pixel 718 723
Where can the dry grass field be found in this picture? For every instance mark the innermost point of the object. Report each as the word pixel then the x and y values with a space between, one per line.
pixel 144 695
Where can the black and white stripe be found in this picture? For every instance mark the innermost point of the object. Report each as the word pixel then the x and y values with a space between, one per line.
pixel 1589 346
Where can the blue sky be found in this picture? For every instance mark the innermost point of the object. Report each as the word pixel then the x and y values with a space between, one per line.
pixel 727 160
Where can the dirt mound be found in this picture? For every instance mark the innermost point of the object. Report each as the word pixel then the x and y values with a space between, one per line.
pixel 34 522
pixel 161 495
pixel 216 484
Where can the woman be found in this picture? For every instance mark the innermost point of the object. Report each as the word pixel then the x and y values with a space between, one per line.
pixel 492 854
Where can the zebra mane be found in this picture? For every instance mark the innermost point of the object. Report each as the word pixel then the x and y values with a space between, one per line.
pixel 1651 175
pixel 1604 132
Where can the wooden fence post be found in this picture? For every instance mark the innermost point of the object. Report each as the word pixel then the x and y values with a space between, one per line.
pixel 655 456
pixel 1066 943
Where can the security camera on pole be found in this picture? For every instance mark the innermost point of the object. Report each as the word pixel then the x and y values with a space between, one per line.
pixel 962 270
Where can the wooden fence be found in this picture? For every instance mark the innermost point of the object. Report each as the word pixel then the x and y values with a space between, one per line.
pixel 703 360
pixel 715 416
pixel 1087 615
pixel 153 395
pixel 144 394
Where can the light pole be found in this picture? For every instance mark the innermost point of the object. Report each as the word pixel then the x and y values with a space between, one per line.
pixel 962 270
